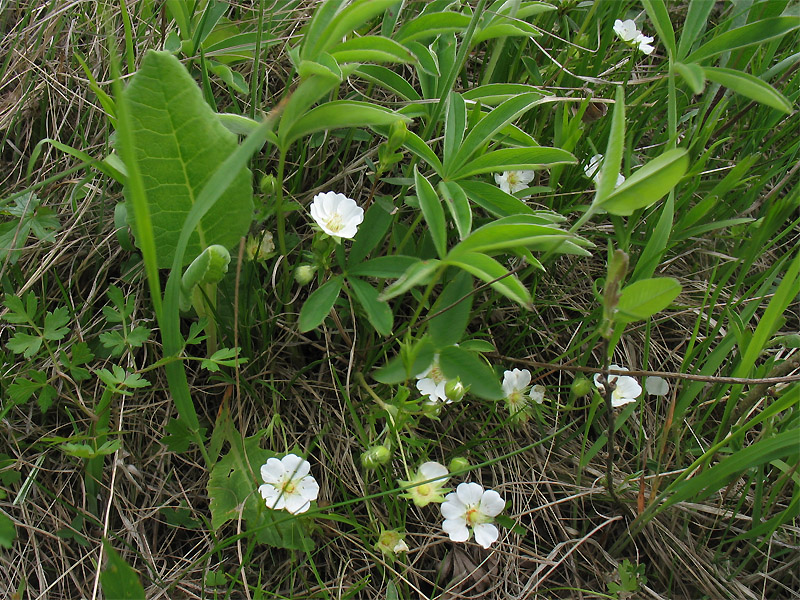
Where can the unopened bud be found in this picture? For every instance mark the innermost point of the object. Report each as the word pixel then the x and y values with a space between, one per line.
pixel 304 274
pixel 375 456
pixel 454 390
pixel 459 463
pixel 580 386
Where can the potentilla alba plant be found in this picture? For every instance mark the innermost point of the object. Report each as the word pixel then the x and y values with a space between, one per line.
pixel 427 484
pixel 626 389
pixel 592 170
pixel 433 384
pixel 630 34
pixel 471 509
pixel 337 215
pixel 518 401
pixel 514 181
pixel 287 484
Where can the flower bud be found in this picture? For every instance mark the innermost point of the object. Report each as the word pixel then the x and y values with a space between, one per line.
pixel 454 390
pixel 372 457
pixel 580 386
pixel 304 274
pixel 391 542
pixel 459 463
pixel 259 247
pixel 268 184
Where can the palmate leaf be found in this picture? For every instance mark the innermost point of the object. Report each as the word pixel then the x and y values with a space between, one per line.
pixel 179 142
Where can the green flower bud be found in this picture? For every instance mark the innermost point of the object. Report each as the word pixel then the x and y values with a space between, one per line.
pixel 260 247
pixel 391 542
pixel 580 386
pixel 459 463
pixel 455 390
pixel 304 274
pixel 375 456
pixel 268 184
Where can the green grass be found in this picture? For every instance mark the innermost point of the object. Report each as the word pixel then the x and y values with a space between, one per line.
pixel 120 423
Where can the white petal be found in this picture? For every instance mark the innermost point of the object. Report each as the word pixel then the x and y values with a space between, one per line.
pixel 274 497
pixel 456 529
pixel 453 508
pixel 537 394
pixel 515 381
pixel 492 503
pixel 469 493
pixel 295 466
pixel 272 471
pixel 296 504
pixel 501 179
pixel 486 534
pixel 628 387
pixel 308 488
pixel 432 470
pixel 656 386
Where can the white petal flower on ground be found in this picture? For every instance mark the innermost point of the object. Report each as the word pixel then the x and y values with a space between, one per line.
pixel 516 381
pixel 432 383
pixel 514 181
pixel 592 170
pixel 626 30
pixel 537 394
pixel 336 214
pixel 626 389
pixel 644 43
pixel 471 509
pixel 656 386
pixel 287 484
pixel 515 385
pixel 427 484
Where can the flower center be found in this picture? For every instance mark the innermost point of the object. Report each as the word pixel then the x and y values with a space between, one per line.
pixel 513 178
pixel 424 489
pixel 335 223
pixel 473 516
pixel 289 487
pixel 437 375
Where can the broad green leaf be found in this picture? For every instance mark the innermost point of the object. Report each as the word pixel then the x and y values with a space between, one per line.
pixel 308 93
pixel 371 232
pixel 389 80
pixel 490 271
pixel 418 273
pixel 496 30
pixel 646 297
pixel 372 48
pixel 749 86
pixel 430 25
pixel 614 149
pixel 647 185
pixel 748 35
pixel 432 210
pixel 489 125
pixel 657 11
pixel 319 304
pixel 657 241
pixel 448 327
pixel 8 532
pixel 339 114
pixel 415 144
pixel 25 344
pixel 55 324
pixel 383 266
pixel 323 15
pixel 493 199
pixel 455 123
pixel 342 24
pixel 457 202
pixel 693 75
pixel 178 144
pixel 378 312
pixel 492 94
pixel 118 579
pixel 514 159
pixel 418 355
pixel 474 372
pixel 520 231
pixel 693 25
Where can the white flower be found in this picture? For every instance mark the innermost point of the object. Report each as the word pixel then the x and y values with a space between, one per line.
pixel 424 491
pixel 336 214
pixel 644 43
pixel 626 389
pixel 626 30
pixel 471 509
pixel 592 170
pixel 537 394
pixel 515 384
pixel 514 181
pixel 287 484
pixel 656 386
pixel 391 542
pixel 432 383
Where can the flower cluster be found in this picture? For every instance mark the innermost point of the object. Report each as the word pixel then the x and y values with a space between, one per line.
pixel 628 33
pixel 512 182
pixel 287 484
pixel 626 389
pixel 466 511
pixel 592 170
pixel 518 396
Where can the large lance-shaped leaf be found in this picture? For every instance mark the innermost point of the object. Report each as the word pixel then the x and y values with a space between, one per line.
pixel 179 142
pixel 514 159
pixel 749 86
pixel 747 35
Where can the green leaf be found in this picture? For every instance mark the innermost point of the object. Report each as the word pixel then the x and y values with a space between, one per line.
pixel 378 312
pixel 8 533
pixel 489 270
pixel 178 144
pixel 614 149
pixel 430 25
pixel 377 221
pixel 433 212
pixel 448 327
pixel 748 35
pixel 458 204
pixel 88 451
pixel 514 159
pixel 118 579
pixel 693 25
pixel 455 123
pixel 389 80
pixel 25 344
pixel 749 86
pixel 494 200
pixel 30 216
pixel 493 94
pixel 693 75
pixel 657 11
pixel 54 324
pixel 383 266
pixel 644 298
pixel 319 304
pixel 372 48
pixel 415 144
pixel 473 372
pixel 418 273
pixel 338 114
pixel 648 184
pixel 520 231
pixel 224 357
